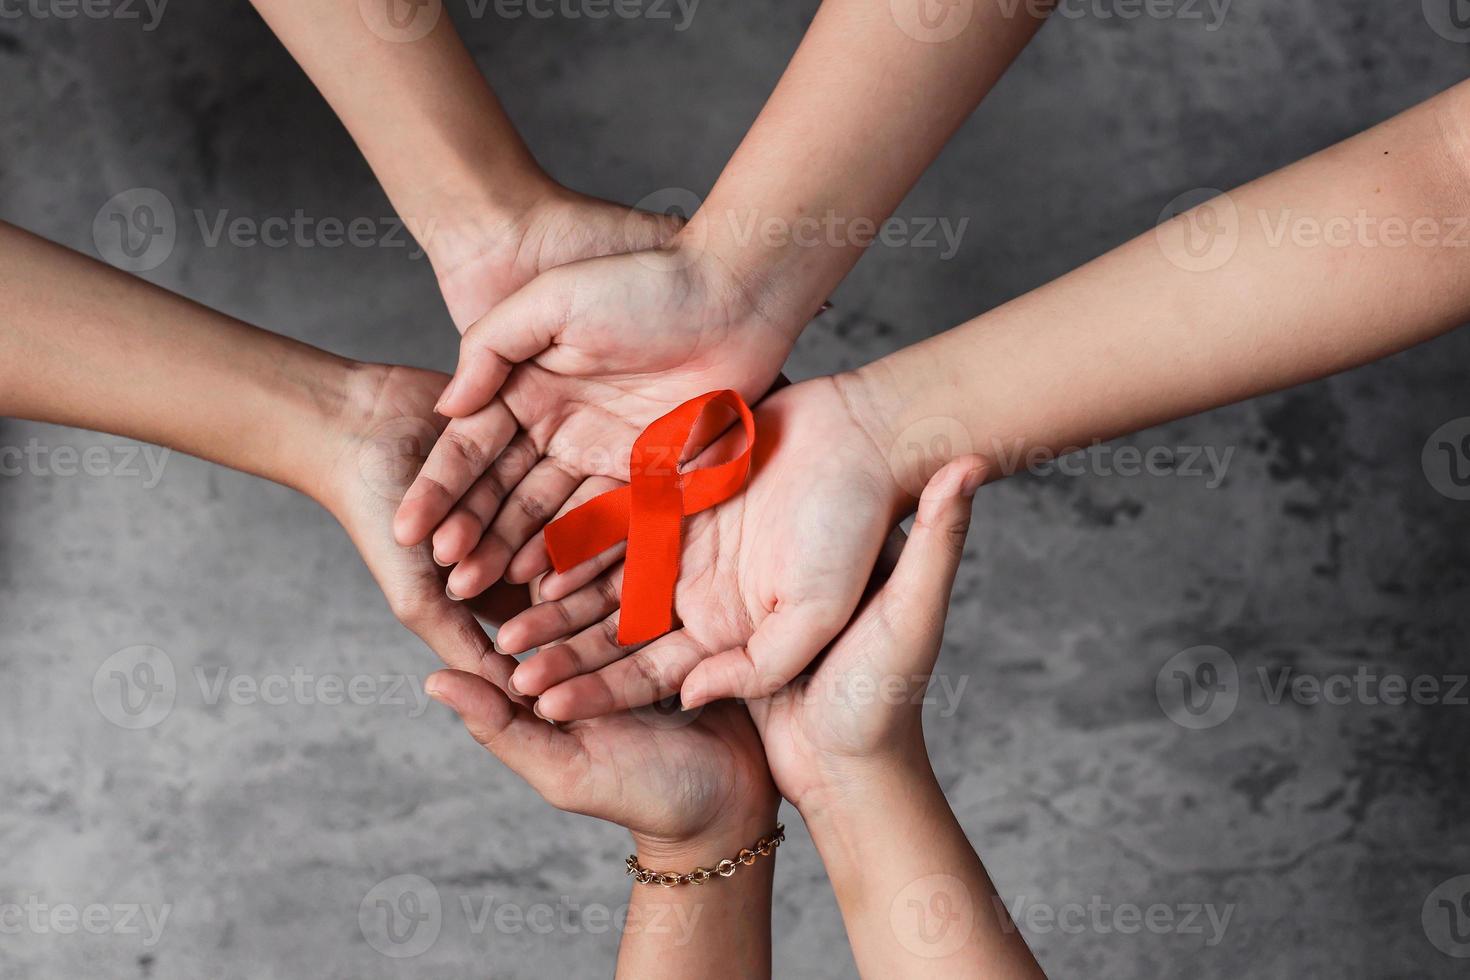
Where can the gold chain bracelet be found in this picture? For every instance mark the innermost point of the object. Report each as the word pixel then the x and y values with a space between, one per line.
pixel 699 876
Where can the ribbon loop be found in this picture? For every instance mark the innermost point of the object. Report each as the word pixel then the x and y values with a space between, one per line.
pixel 649 513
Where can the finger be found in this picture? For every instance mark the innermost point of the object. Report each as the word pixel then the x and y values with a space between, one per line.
pixel 534 750
pixel 550 620
pixel 466 523
pixel 587 652
pixel 524 513
pixel 915 599
pixel 643 677
pixel 533 559
pixel 452 632
pixel 464 450
pixel 784 643
pixel 517 329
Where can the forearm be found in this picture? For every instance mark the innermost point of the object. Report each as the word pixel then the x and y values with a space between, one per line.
pixel 863 108
pixel 85 345
pixel 914 896
pixel 1326 273
pixel 424 117
pixel 721 928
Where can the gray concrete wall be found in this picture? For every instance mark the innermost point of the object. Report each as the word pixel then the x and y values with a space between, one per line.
pixel 1328 833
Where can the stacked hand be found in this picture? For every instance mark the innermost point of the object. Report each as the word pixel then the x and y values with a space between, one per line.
pixel 556 382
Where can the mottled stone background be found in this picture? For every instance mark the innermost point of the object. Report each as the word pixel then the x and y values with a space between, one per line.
pixel 1324 831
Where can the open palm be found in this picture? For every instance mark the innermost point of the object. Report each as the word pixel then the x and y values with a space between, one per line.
pixel 555 384
pixel 767 579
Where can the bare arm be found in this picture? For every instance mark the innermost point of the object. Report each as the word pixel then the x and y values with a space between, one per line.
pixel 1348 256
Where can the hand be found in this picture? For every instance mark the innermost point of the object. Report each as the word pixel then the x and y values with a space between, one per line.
pixel 767 579
pixel 600 348
pixel 486 256
pixel 380 432
pixel 691 789
pixel 857 711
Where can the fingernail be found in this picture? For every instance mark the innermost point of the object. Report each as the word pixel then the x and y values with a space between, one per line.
pixel 536 710
pixel 972 481
pixel 510 685
pixel 448 394
pixel 439 696
pixel 450 592
pixel 442 564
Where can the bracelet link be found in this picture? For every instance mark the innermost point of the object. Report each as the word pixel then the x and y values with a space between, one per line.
pixel 724 868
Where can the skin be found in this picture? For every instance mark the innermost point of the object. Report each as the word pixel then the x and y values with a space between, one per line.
pixel 690 791
pixel 1139 336
pixel 856 767
pixel 570 369
pixel 487 215
pixel 854 763
pixel 82 344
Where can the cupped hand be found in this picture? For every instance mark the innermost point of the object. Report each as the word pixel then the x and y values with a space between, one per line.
pixel 384 428
pixel 555 384
pixel 671 778
pixel 859 708
pixel 484 257
pixel 767 579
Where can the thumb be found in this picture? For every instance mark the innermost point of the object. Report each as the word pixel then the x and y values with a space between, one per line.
pixel 915 599
pixel 531 748
pixel 515 330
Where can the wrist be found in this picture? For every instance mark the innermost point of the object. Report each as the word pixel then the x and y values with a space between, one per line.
pixel 779 282
pixel 710 845
pixel 459 220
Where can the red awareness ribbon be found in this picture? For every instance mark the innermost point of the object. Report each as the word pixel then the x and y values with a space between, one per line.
pixel 650 512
